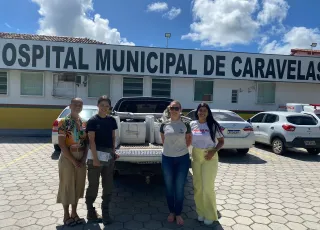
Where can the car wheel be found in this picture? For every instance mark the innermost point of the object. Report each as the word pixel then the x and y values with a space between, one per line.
pixel 313 151
pixel 243 151
pixel 278 146
pixel 57 148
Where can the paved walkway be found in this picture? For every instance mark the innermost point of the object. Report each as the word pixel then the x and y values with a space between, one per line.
pixel 259 191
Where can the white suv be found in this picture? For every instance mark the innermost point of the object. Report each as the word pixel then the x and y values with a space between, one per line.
pixel 284 130
pixel 315 115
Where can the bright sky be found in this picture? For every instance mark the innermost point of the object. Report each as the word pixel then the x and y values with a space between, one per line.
pixel 266 26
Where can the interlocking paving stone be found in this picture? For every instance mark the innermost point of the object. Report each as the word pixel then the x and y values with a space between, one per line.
pixel 256 226
pixel 278 219
pixel 26 221
pixel 240 227
pixel 226 221
pixel 246 213
pixel 261 220
pixel 258 191
pixel 277 226
pixel 312 225
pixel 295 226
pixel 243 220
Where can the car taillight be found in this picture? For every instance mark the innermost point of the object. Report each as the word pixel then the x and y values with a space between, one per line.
pixel 55 126
pixel 222 128
pixel 289 128
pixel 248 129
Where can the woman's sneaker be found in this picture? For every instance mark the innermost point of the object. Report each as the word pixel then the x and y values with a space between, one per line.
pixel 200 218
pixel 208 222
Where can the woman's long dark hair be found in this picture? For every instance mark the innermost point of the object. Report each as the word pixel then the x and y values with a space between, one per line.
pixel 210 121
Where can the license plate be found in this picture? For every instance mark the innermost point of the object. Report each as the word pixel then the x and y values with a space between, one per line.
pixel 309 142
pixel 233 131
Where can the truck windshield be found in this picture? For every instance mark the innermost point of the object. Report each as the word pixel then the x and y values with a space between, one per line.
pixel 143 106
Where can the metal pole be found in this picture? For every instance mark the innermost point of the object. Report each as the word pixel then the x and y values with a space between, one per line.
pixel 167 41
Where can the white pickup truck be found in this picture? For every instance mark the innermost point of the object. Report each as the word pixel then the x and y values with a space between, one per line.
pixel 138 140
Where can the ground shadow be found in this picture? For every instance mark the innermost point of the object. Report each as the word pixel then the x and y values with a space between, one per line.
pixel 232 157
pixel 137 184
pixel 296 154
pixel 24 140
pixel 87 226
pixel 192 222
pixel 134 196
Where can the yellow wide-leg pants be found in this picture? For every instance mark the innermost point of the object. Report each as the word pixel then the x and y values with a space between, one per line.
pixel 204 175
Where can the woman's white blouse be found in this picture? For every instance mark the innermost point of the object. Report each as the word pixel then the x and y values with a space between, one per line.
pixel 201 135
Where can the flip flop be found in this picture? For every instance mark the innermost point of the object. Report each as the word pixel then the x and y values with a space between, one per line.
pixel 69 222
pixel 79 220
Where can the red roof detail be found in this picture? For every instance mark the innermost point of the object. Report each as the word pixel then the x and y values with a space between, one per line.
pixel 35 37
pixel 293 51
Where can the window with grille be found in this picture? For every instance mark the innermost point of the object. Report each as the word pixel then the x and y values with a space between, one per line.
pixel 3 83
pixel 266 92
pixel 203 90
pixel 161 87
pixel 234 96
pixel 32 84
pixel 132 87
pixel 64 85
pixel 98 85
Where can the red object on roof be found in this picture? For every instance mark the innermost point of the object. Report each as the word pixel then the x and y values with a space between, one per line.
pixel 305 52
pixel 35 37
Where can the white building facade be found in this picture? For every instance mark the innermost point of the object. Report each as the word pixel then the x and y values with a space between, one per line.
pixel 37 73
pixel 48 88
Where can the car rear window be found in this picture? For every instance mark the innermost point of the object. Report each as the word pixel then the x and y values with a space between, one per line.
pixel 226 116
pixel 143 107
pixel 86 114
pixel 301 120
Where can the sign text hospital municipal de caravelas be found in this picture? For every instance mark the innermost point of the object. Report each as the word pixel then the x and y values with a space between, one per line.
pixel 148 61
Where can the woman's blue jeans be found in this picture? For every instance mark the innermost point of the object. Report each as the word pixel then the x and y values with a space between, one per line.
pixel 175 171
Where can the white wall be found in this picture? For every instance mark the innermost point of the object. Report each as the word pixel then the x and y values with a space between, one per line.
pixel 181 89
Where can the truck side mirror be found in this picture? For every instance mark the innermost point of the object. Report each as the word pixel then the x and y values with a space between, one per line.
pixel 249 120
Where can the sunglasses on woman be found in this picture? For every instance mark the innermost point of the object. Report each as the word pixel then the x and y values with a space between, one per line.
pixel 174 108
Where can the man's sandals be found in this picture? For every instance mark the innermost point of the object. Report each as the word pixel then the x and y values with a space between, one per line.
pixel 69 222
pixel 79 220
pixel 72 221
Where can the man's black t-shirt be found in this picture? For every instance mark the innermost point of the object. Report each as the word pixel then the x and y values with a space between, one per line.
pixel 103 128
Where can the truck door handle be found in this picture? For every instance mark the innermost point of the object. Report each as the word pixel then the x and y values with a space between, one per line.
pixel 258 126
pixel 271 127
